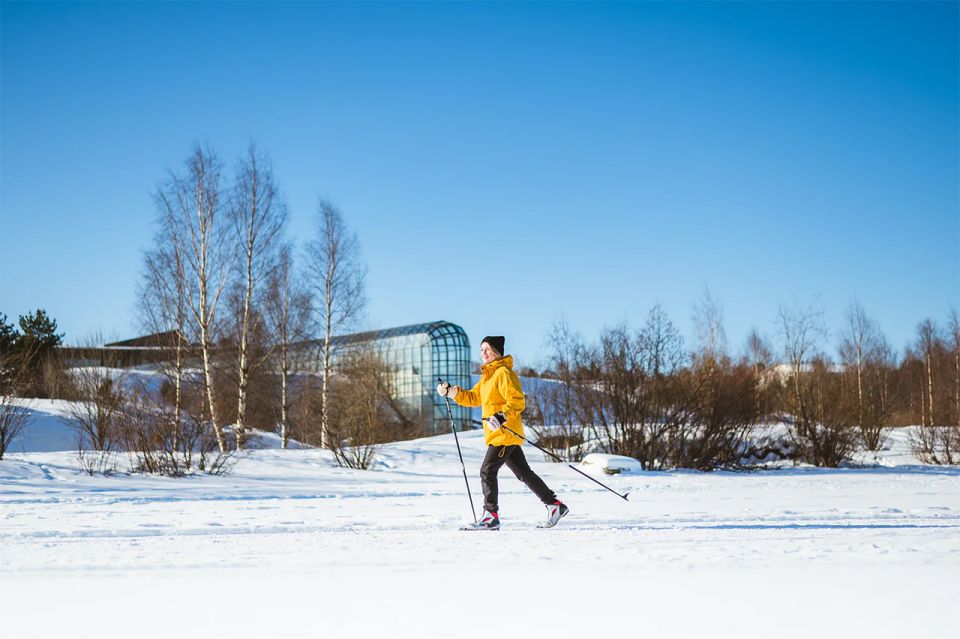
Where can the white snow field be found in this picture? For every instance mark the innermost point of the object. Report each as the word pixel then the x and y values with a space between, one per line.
pixel 289 545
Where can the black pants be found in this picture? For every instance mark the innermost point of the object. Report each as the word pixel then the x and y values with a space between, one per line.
pixel 513 457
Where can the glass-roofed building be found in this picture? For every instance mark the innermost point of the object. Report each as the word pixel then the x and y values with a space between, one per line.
pixel 418 355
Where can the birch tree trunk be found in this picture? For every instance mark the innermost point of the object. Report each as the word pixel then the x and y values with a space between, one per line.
pixel 288 313
pixel 929 341
pixel 325 395
pixel 206 348
pixel 178 349
pixel 334 263
pixel 761 357
pixel 207 261
pixel 955 330
pixel 923 393
pixel 259 218
pixel 859 337
pixel 163 303
pixel 284 372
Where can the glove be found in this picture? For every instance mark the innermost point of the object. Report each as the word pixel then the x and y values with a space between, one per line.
pixel 446 390
pixel 496 420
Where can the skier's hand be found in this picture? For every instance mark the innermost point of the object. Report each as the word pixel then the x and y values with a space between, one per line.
pixel 446 390
pixel 496 420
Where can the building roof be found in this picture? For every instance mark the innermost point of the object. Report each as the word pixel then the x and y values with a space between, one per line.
pixel 431 329
pixel 165 339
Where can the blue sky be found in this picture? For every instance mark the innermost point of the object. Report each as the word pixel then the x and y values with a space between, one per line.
pixel 503 164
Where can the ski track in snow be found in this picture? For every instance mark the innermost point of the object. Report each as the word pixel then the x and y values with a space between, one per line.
pixel 876 549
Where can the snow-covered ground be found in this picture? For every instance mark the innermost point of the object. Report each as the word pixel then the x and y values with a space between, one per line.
pixel 289 545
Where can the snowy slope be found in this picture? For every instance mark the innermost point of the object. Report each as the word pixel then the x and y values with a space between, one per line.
pixel 48 428
pixel 289 545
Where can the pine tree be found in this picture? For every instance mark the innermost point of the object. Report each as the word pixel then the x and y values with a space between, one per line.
pixel 8 350
pixel 8 336
pixel 35 349
pixel 39 333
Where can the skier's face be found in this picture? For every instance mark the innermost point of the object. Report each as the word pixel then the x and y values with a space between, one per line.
pixel 487 354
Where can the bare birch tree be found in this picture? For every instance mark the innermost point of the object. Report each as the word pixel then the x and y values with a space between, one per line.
pixel 802 331
pixel 662 353
pixel 760 356
pixel 953 324
pixel 952 433
pixel 163 310
pixel 338 280
pixel 857 340
pixel 722 409
pixel 287 311
pixel 866 357
pixel 820 427
pixel 937 440
pixel 192 209
pixel 928 341
pixel 259 217
pixel 711 336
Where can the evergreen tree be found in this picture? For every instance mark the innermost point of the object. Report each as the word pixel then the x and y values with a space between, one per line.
pixel 8 349
pixel 8 337
pixel 35 354
pixel 39 333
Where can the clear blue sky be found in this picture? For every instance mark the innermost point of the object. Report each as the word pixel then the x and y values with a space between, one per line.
pixel 505 164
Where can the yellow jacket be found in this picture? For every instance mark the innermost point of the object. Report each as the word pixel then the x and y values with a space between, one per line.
pixel 497 391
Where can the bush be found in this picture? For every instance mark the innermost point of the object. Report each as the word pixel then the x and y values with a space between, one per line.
pixel 364 412
pixel 936 444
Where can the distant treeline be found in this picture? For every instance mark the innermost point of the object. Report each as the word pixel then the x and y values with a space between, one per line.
pixel 644 393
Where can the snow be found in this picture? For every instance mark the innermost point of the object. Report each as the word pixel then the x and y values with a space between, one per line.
pixel 48 428
pixel 289 545
pixel 611 464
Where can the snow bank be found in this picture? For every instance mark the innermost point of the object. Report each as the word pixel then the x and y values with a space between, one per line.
pixel 611 464
pixel 48 428
pixel 52 428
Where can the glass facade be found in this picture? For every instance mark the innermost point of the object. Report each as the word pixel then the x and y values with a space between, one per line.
pixel 418 355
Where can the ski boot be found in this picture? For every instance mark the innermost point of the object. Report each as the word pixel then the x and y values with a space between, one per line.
pixel 555 511
pixel 487 521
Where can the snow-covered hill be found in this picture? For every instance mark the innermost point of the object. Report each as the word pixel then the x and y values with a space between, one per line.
pixel 289 545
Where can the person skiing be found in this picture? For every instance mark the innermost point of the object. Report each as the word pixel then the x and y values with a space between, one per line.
pixel 499 394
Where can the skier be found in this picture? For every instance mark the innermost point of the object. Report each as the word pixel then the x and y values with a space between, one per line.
pixel 502 401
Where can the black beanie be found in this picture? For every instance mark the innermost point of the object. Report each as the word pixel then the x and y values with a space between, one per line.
pixel 496 341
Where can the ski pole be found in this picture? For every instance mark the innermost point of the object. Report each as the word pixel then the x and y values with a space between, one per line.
pixel 623 496
pixel 453 427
